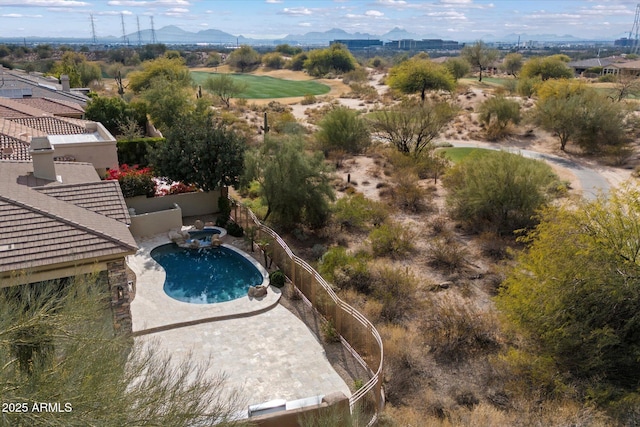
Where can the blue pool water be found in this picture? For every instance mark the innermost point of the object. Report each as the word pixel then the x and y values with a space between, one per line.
pixel 205 276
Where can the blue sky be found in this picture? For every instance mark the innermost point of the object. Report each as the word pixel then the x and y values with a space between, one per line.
pixel 454 19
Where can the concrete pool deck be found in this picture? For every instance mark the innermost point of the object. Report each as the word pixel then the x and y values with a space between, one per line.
pixel 263 348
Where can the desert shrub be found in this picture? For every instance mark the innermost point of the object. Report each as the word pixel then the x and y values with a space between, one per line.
pixel 391 239
pixel 318 250
pixel 309 99
pixel 497 191
pixel 344 129
pixel 345 270
pixel 359 75
pixel 277 278
pixel 446 253
pixel 498 114
pixel 607 78
pixel 455 330
pixel 493 246
pixel 134 181
pixel 234 229
pixel 528 87
pixel 407 195
pixel 403 356
pixel 358 212
pixel 395 289
pixel 329 332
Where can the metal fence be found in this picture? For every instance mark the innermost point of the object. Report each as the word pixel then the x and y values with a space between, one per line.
pixel 357 334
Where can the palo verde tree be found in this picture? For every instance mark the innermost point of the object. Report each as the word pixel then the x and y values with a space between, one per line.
pixel 419 76
pixel 575 295
pixel 167 69
pixel 334 59
pixel 411 126
pixel 80 71
pixel 343 129
pixel 57 344
pixel 245 58
pixel 512 64
pixel 574 112
pixel 114 113
pixel 458 67
pixel 224 87
pixel 201 151
pixel 295 185
pixel 549 67
pixel 480 56
pixel 497 191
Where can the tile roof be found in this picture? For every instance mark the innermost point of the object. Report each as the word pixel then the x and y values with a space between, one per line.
pixel 52 125
pixel 18 84
pixel 13 148
pixel 57 107
pixel 104 197
pixel 38 230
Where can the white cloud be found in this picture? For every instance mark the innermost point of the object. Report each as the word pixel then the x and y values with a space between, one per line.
pixel 144 3
pixel 296 11
pixel 19 15
pixel 448 15
pixel 273 1
pixel 304 24
pixel 45 3
pixel 178 10
pixel 374 13
pixel 393 2
pixel 114 12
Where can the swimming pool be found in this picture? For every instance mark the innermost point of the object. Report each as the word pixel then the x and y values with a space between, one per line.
pixel 206 276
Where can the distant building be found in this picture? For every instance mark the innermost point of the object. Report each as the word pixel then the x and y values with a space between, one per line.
pixel 425 44
pixel 17 84
pixel 625 42
pixel 359 44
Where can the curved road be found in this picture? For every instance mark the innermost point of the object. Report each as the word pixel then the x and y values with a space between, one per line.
pixel 591 181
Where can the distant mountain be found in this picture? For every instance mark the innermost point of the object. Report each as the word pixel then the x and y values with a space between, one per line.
pixel 402 34
pixel 173 34
pixel 325 37
pixel 513 38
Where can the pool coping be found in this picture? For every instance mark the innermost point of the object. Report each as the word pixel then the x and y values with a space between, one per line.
pixel 153 310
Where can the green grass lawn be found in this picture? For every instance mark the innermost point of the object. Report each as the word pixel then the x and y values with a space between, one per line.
pixel 488 81
pixel 264 87
pixel 456 154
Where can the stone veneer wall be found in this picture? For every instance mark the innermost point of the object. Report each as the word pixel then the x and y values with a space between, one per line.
pixel 120 306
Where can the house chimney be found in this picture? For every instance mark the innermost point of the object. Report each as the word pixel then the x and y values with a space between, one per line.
pixel 64 80
pixel 42 155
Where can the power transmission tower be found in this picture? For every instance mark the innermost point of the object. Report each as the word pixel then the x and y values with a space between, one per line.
pixel 139 35
pixel 124 33
pixel 153 32
pixel 633 34
pixel 93 30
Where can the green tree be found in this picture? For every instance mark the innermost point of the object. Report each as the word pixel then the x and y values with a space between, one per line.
pixel 411 126
pixel 574 293
pixel 575 112
pixel 80 71
pixel 214 59
pixel 295 185
pixel 497 191
pixel 286 49
pixel 225 87
pixel 479 55
pixel 113 112
pixel 498 113
pixel 549 67
pixel 243 59
pixel 167 102
pixel 420 75
pixel 297 62
pixel 200 151
pixel 334 59
pixel 169 70
pixel 458 67
pixel 57 344
pixel 273 60
pixel 343 129
pixel 512 64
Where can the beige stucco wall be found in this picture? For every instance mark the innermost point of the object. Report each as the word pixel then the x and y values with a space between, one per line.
pixel 102 154
pixel 192 204
pixel 152 223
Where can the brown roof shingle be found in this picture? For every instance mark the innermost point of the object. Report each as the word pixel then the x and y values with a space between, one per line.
pixel 51 125
pixel 56 107
pixel 103 197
